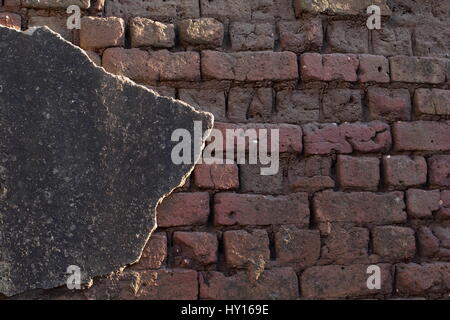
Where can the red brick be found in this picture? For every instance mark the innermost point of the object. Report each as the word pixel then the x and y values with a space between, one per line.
pixel 339 66
pixel 301 35
pixel 442 233
pixel 251 36
pixel 247 209
pixel 155 252
pixel 421 136
pixel 347 36
pixel 342 105
pixel 296 246
pixel 131 63
pixel 330 138
pixel 275 284
pixel 373 68
pixel 391 40
pixel 358 172
pixel 97 33
pixel 217 176
pixel 250 104
pixel 10 20
pixel 201 32
pixel 389 104
pixel 428 243
pixel 250 66
pixel 422 203
pixel 176 66
pixel 417 69
pixel 252 181
pixel 415 279
pixel 183 209
pixel 335 281
pixel 311 66
pixel 147 285
pixel 345 245
pixel 217 65
pixel 209 100
pixel 439 170
pixel 194 250
pixel 148 33
pixel 297 106
pixel 248 250
pixel 432 102
pixel 359 207
pixel 393 243
pixel 290 136
pixel 310 174
pixel 404 171
pixel 444 211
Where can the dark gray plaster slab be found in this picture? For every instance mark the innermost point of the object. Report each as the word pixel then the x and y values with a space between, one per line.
pixel 85 157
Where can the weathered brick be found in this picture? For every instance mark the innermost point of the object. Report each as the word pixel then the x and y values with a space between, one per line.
pixel 391 40
pixel 249 250
pixel 358 172
pixel 336 281
pixel 226 10
pixel 248 209
pixel 310 174
pixel 290 136
pixel 216 176
pixel 163 91
pixel 55 4
pixel 196 250
pixel 155 9
pixel 297 106
pixel 149 33
pixel 338 66
pixel 10 20
pixel 57 24
pixel 422 203
pixel 97 33
pixel 347 37
pixel 250 66
pixel 155 252
pixel 359 207
pixel 421 136
pixel 439 170
pixel 274 284
pixel 432 102
pixel 176 66
pixel 417 70
pixel 431 40
pixel 373 68
pixel 147 285
pixel 300 36
pixel 184 209
pixel 340 7
pixel 311 66
pixel 253 182
pixel 95 57
pixel 404 171
pixel 250 104
pixel 415 279
pixel 131 63
pixel 217 65
pixel 297 246
pixel 329 138
pixel 444 211
pixel 252 36
pixel 342 105
pixel 210 100
pixel 201 32
pixel 428 243
pixel 442 233
pixel 393 243
pixel 389 104
pixel 345 245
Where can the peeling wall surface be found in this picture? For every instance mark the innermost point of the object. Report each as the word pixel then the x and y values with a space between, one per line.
pixel 364 127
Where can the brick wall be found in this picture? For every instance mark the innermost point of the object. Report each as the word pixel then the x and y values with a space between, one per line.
pixel 365 171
